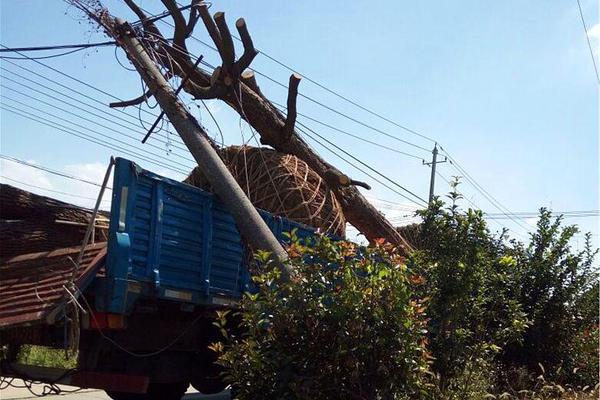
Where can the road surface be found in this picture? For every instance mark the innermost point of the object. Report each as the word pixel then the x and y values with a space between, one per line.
pixel 12 393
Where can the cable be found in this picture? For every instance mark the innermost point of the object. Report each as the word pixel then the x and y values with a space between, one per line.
pixel 316 101
pixel 51 171
pixel 281 108
pixel 66 53
pixel 84 136
pixel 74 79
pixel 95 100
pixel 92 130
pixel 359 168
pixel 56 47
pixel 214 120
pixel 587 37
pixel 505 211
pixel 101 117
pixel 78 116
pixel 48 190
pixel 476 207
pixel 424 202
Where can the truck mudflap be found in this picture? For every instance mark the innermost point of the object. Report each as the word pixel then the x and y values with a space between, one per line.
pixel 82 379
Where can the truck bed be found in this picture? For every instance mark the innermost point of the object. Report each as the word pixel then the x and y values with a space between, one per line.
pixel 172 241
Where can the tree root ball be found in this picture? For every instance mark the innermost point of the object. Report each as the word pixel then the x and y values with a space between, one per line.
pixel 282 184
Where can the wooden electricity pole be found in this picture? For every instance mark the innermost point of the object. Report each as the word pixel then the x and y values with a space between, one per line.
pixel 251 225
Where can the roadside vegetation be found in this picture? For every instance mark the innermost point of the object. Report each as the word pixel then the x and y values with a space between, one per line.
pixel 468 315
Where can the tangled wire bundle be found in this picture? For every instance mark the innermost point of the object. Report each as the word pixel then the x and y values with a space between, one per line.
pixel 282 184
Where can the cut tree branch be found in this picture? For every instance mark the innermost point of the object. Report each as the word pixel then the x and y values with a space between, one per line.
pixel 181 26
pixel 249 51
pixel 290 120
pixel 227 48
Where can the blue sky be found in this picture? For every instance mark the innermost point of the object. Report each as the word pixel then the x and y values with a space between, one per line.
pixel 507 88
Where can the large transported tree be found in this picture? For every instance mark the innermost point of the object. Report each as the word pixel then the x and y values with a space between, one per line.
pixel 234 84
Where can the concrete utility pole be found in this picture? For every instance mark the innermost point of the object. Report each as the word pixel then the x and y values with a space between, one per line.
pixel 433 163
pixel 251 225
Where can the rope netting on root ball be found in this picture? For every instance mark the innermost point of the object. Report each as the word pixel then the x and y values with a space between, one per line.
pixel 282 184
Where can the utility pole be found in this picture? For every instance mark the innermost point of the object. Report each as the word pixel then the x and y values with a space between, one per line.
pixel 251 225
pixel 433 163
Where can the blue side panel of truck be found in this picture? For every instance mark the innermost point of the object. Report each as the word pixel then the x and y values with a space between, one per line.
pixel 170 240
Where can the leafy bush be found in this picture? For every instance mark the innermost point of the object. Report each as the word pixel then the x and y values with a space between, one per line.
pixel 471 281
pixel 346 326
pixel 557 289
pixel 469 315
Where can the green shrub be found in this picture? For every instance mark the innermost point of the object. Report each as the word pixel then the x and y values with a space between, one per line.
pixel 346 326
pixel 558 292
pixel 470 277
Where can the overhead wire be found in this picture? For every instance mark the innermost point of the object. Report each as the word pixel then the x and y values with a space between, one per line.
pixel 491 199
pixel 358 160
pixel 86 137
pixel 374 178
pixel 66 53
pixel 47 189
pixel 165 159
pixel 90 86
pixel 51 171
pixel 587 37
pixel 282 107
pixel 57 47
pixel 423 201
pixel 93 99
pixel 309 98
pixel 75 106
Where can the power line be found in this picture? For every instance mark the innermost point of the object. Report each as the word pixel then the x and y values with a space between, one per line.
pixel 49 190
pixel 101 117
pixel 91 130
pixel 505 211
pixel 76 115
pixel 362 163
pixel 281 107
pixel 112 96
pixel 587 37
pixel 368 126
pixel 66 53
pixel 563 214
pixel 476 207
pixel 84 136
pixel 51 171
pixel 57 47
pixel 102 110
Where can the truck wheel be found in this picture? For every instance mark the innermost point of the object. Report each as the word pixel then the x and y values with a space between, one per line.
pixel 156 391
pixel 208 385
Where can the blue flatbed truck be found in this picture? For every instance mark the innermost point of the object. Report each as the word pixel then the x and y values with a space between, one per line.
pixel 173 256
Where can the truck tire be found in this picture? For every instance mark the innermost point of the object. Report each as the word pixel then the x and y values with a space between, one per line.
pixel 208 385
pixel 156 391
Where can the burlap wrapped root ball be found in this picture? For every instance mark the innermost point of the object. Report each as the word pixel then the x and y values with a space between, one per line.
pixel 282 184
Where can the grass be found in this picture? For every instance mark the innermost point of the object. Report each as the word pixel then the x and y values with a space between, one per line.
pixel 46 357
